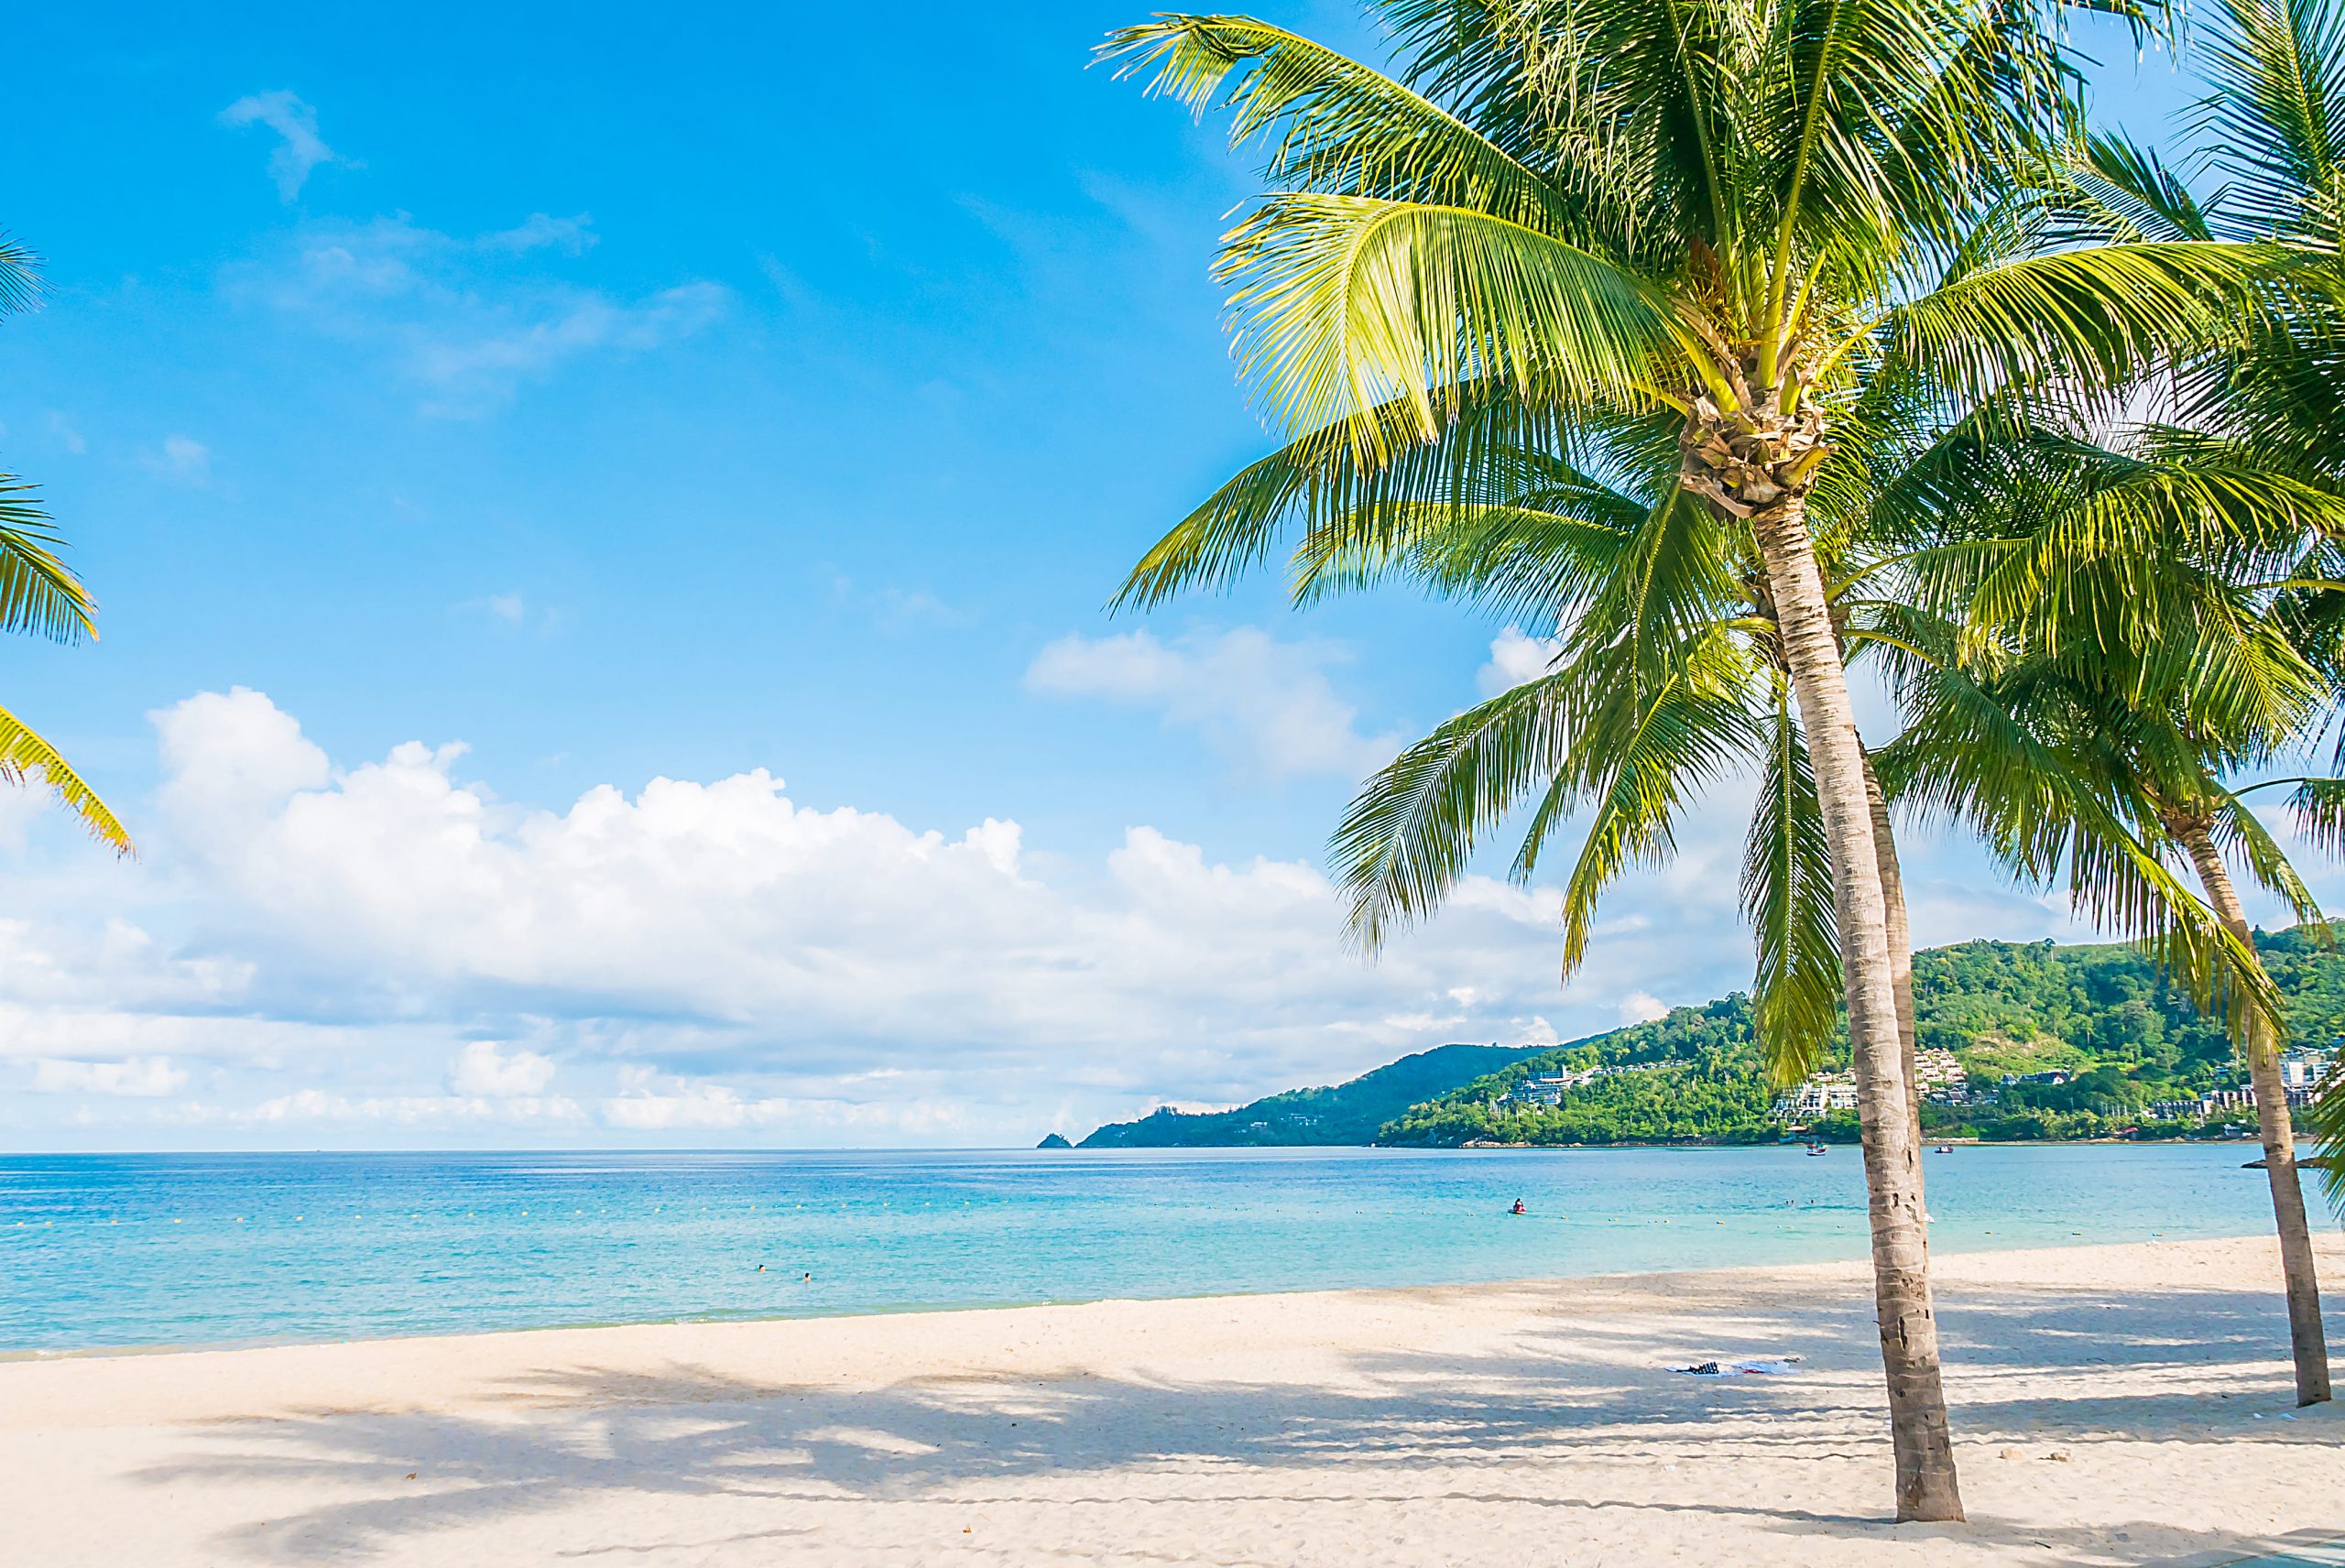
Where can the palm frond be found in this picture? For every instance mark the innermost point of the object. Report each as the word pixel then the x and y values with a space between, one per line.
pixel 2275 120
pixel 1345 304
pixel 26 759
pixel 2100 317
pixel 20 284
pixel 39 592
pixel 1787 897
pixel 1329 122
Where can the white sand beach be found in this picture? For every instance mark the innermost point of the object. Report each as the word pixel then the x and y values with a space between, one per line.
pixel 2113 1405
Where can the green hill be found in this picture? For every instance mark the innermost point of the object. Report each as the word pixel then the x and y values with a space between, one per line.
pixel 1347 1113
pixel 2100 1016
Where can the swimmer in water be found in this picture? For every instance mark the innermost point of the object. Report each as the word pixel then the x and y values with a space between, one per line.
pixel 761 1268
pixel 809 1280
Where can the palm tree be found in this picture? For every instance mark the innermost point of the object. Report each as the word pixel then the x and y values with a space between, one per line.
pixel 2132 671
pixel 40 593
pixel 1713 214
pixel 2272 128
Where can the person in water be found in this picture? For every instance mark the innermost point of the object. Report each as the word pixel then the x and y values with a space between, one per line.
pixel 1517 1208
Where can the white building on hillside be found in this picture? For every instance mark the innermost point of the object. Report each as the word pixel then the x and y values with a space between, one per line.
pixel 1820 1095
pixel 2304 1068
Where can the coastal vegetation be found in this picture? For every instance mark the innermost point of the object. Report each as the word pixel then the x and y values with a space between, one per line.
pixel 2093 1037
pixel 2055 1040
pixel 1351 1113
pixel 1737 342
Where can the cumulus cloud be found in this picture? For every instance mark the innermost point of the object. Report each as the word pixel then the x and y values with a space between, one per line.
pixel 1266 706
pixel 300 148
pixel 1643 1007
pixel 1516 657
pixel 715 956
pixel 385 950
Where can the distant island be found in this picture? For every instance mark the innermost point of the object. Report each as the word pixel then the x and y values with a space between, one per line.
pixel 1351 1113
pixel 2032 1040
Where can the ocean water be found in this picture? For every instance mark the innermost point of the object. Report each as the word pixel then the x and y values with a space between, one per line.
pixel 114 1251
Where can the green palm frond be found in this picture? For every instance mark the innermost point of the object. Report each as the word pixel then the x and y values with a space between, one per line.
pixel 2269 863
pixel 19 275
pixel 39 592
pixel 1330 123
pixel 1346 303
pixel 1787 897
pixel 1407 836
pixel 2276 119
pixel 1492 449
pixel 2121 189
pixel 2057 814
pixel 2316 811
pixel 1658 751
pixel 2101 317
pixel 1513 562
pixel 2325 1120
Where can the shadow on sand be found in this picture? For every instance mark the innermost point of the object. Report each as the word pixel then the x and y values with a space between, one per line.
pixel 1512 1420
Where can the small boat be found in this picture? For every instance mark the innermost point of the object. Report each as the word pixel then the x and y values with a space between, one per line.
pixel 1946 1149
pixel 1813 1149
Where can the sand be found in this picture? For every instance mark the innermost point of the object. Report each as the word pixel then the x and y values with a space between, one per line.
pixel 2112 1405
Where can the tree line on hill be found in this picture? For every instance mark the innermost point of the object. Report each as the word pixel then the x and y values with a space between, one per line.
pixel 2119 1032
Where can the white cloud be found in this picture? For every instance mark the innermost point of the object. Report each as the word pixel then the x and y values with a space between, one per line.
pixel 299 150
pixel 495 358
pixel 385 952
pixel 1643 1007
pixel 573 235
pixel 715 957
pixel 466 322
pixel 145 1077
pixel 1515 657
pixel 309 1107
pixel 182 460
pixel 1266 706
pixel 484 1069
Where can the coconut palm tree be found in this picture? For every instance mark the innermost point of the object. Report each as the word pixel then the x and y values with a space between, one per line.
pixel 40 595
pixel 2138 670
pixel 1712 215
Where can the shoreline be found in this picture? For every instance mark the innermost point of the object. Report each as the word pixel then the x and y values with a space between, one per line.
pixel 746 1320
pixel 2124 1403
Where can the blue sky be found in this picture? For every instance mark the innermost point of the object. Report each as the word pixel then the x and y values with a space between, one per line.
pixel 578 403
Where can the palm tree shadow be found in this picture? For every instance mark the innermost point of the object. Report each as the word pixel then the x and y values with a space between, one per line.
pixel 1502 1428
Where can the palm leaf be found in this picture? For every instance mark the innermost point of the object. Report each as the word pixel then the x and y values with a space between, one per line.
pixel 1346 303
pixel 26 757
pixel 1787 897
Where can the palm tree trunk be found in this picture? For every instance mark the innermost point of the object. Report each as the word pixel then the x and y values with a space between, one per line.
pixel 2262 1053
pixel 1901 939
pixel 1926 1488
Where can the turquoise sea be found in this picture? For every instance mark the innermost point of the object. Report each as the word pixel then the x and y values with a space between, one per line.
pixel 112 1251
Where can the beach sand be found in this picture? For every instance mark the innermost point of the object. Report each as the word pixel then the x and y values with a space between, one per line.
pixel 2112 1405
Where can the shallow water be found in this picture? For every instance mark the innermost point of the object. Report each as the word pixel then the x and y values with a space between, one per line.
pixel 102 1250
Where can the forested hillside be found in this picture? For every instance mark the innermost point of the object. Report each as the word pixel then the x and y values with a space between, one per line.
pixel 2100 1014
pixel 1346 1113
